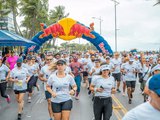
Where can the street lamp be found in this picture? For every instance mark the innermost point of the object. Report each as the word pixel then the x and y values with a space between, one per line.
pixel 100 20
pixel 115 10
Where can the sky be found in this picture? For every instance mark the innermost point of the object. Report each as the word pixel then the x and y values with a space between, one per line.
pixel 138 21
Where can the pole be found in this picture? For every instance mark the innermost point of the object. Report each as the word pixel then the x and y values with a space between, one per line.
pixel 115 6
pixel 100 20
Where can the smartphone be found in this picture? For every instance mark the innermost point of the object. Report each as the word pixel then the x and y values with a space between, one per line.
pixel 101 87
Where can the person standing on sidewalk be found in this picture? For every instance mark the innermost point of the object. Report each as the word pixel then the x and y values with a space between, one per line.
pixel 4 75
pixel 20 76
pixel 103 86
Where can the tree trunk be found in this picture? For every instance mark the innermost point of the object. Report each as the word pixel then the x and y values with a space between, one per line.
pixel 14 20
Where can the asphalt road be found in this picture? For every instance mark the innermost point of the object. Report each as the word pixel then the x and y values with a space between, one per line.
pixel 82 109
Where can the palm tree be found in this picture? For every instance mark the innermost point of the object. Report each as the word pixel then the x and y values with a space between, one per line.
pixel 55 15
pixel 34 12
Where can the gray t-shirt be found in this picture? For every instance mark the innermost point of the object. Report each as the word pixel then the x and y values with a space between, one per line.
pixel 107 84
pixel 61 87
pixel 144 111
pixel 21 75
pixel 3 72
pixel 46 72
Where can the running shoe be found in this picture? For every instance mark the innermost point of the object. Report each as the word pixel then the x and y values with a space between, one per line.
pixel 8 99
pixel 19 117
pixel 118 90
pixel 123 94
pixel 130 101
pixel 29 99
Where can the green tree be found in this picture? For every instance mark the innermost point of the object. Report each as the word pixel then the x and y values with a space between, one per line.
pixel 34 12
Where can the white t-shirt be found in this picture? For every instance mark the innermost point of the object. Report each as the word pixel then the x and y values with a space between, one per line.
pixel 117 63
pixel 21 75
pixel 46 72
pixel 129 68
pixel 144 111
pixel 3 70
pixel 61 87
pixel 97 70
pixel 107 84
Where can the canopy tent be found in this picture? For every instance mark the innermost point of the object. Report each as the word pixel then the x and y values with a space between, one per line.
pixel 8 38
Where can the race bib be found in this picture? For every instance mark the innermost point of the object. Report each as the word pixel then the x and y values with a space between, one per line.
pixel 19 83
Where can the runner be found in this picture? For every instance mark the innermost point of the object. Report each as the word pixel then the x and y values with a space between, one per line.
pixel 151 109
pixel 20 77
pixel 129 69
pixel 43 76
pixel 77 69
pixel 61 99
pixel 4 76
pixel 103 85
pixel 117 69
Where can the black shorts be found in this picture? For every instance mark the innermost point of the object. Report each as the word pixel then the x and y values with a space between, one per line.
pixel 48 95
pixel 59 107
pixel 117 76
pixel 131 84
pixel 85 73
pixel 19 91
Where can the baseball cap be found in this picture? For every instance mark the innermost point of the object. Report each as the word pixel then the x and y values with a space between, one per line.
pixel 107 57
pixel 157 67
pixel 61 62
pixel 154 84
pixel 29 57
pixel 104 67
pixel 20 60
pixel 131 60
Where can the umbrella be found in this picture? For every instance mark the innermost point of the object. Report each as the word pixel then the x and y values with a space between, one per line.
pixel 8 38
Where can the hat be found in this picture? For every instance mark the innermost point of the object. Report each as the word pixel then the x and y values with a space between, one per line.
pixel 154 84
pixel 29 57
pixel 104 67
pixel 107 57
pixel 97 60
pixel 157 67
pixel 131 60
pixel 61 62
pixel 20 60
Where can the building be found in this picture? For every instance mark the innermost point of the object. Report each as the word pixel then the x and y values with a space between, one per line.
pixel 6 20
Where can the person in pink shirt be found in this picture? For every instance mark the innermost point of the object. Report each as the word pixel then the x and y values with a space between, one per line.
pixel 11 60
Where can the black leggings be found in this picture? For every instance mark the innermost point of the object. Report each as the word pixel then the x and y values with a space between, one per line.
pixel 3 87
pixel 102 106
pixel 32 82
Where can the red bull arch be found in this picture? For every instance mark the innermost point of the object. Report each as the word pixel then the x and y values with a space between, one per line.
pixel 69 29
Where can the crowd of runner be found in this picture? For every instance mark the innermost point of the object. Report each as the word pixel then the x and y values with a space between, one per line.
pixel 62 75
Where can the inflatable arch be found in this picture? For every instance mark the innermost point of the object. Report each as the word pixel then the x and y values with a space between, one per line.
pixel 69 29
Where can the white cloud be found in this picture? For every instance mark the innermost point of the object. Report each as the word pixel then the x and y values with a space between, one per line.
pixel 137 20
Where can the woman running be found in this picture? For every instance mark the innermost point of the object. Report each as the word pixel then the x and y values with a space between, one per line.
pixel 103 86
pixel 60 91
pixel 20 77
pixel 4 75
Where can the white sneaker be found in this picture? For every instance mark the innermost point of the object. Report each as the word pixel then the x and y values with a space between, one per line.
pixel 123 94
pixel 29 99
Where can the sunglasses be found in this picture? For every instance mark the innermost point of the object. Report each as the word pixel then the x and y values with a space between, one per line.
pixel 33 59
pixel 106 70
pixel 49 59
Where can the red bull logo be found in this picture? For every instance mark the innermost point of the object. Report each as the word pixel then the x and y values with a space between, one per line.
pixel 101 45
pixel 78 30
pixel 55 30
